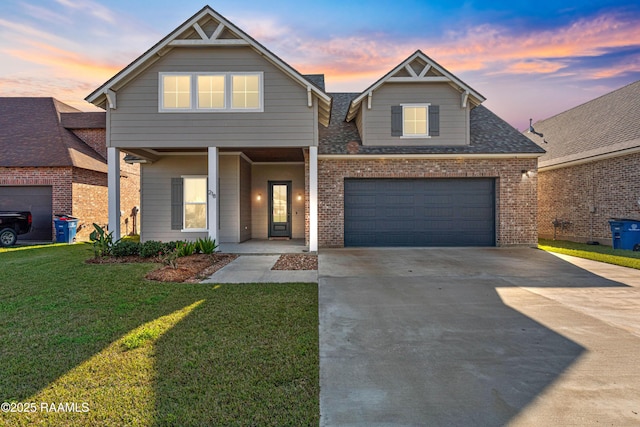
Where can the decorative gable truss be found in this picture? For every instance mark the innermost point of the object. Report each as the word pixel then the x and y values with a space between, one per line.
pixel 418 68
pixel 208 32
pixel 207 28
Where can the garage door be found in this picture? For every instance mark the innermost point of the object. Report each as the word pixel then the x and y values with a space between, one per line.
pixel 419 212
pixel 36 199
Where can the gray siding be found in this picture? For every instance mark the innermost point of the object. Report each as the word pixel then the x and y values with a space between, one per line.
pixel 261 174
pixel 229 199
pixel 286 120
pixel 155 198
pixel 454 122
pixel 245 200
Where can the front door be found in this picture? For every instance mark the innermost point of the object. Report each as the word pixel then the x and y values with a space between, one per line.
pixel 280 209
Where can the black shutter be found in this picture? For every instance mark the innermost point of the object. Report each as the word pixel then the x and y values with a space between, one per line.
pixel 396 120
pixel 176 203
pixel 434 120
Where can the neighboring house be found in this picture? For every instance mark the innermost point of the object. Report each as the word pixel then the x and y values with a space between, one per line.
pixel 235 144
pixel 591 171
pixel 53 161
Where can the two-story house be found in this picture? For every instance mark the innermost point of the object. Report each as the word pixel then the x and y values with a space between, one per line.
pixel 236 144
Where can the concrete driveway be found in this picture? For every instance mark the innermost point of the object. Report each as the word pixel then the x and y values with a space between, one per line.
pixel 476 337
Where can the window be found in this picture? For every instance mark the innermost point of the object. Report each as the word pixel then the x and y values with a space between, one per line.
pixel 177 91
pixel 246 91
pixel 415 120
pixel 209 92
pixel 195 202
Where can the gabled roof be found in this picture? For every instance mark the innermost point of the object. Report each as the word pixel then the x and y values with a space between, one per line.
pixel 206 28
pixel 417 68
pixel 489 135
pixel 31 134
pixel 608 125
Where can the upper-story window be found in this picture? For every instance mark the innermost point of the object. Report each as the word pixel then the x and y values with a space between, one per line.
pixel 415 120
pixel 211 92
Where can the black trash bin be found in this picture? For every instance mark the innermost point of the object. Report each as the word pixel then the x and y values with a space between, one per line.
pixel 66 227
pixel 625 233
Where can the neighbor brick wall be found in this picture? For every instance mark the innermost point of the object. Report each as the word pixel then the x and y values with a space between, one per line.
pixel 59 178
pixel 89 201
pixel 516 209
pixel 612 186
pixel 94 138
pixel 129 195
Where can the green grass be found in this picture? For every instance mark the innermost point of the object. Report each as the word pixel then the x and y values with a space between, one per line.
pixel 141 353
pixel 594 252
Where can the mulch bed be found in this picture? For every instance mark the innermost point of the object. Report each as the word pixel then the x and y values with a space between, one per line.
pixel 296 262
pixel 194 268
pixel 189 269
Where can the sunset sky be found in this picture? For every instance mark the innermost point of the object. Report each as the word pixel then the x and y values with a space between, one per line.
pixel 528 58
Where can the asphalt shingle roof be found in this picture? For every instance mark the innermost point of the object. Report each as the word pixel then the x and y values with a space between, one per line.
pixel 31 134
pixel 489 135
pixel 603 125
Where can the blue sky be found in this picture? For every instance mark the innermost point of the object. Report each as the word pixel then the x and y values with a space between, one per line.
pixel 529 59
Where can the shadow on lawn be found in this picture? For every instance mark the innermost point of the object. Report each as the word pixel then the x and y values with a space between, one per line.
pixel 247 355
pixel 147 353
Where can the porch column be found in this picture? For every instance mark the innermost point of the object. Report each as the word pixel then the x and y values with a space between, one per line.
pixel 213 193
pixel 313 199
pixel 113 185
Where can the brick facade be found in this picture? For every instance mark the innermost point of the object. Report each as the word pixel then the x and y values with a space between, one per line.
pixel 59 178
pixel 611 186
pixel 94 138
pixel 516 195
pixel 81 192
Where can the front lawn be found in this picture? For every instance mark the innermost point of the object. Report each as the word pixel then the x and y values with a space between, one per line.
pixel 117 349
pixel 594 252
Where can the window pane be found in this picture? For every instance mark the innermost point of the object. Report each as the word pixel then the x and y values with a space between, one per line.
pixel 279 203
pixel 415 120
pixel 195 190
pixel 210 91
pixel 176 91
pixel 245 91
pixel 195 216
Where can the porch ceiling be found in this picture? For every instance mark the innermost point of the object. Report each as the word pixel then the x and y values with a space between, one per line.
pixel 270 154
pixel 275 154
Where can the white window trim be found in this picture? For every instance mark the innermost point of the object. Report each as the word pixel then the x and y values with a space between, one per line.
pixel 227 93
pixel 161 94
pixel 206 203
pixel 415 136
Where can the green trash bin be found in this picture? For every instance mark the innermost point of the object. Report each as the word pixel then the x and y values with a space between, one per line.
pixel 66 227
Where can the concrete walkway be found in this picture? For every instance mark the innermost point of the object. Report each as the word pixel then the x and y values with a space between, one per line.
pixel 257 269
pixel 476 336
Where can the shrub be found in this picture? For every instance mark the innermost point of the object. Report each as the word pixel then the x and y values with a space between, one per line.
pixel 126 248
pixel 185 249
pixel 206 245
pixel 152 248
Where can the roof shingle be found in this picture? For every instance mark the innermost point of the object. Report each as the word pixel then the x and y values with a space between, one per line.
pixel 601 126
pixel 489 135
pixel 31 134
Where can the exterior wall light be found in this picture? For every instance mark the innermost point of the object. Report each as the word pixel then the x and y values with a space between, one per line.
pixel 259 197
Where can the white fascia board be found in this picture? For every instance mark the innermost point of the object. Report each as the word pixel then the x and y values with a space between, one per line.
pixel 605 156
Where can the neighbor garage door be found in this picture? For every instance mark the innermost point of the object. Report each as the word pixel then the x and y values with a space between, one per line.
pixel 419 212
pixel 36 199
